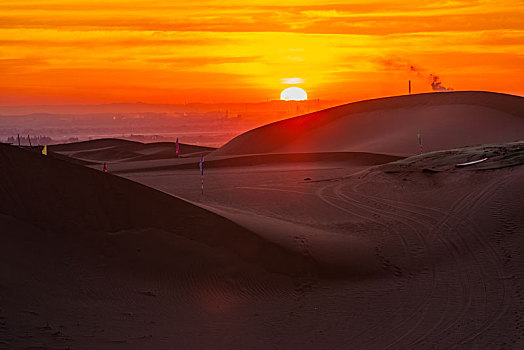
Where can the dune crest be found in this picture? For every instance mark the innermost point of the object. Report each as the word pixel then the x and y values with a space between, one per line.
pixel 118 150
pixel 390 126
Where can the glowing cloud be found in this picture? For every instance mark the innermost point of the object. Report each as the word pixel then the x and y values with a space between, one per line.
pixel 292 81
pixel 101 51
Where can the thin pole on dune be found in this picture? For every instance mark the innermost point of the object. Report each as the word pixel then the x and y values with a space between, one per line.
pixel 177 148
pixel 202 172
pixel 419 137
pixel 28 138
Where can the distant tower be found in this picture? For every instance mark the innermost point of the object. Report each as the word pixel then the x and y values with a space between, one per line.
pixel 409 86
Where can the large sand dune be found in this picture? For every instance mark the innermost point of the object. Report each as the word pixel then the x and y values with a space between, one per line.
pixel 390 126
pixel 57 195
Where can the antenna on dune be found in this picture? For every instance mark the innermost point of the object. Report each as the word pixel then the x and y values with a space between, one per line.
pixel 409 86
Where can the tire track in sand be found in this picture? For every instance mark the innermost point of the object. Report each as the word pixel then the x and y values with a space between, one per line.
pixel 455 213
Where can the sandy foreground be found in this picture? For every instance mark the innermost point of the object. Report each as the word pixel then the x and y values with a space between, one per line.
pixel 317 249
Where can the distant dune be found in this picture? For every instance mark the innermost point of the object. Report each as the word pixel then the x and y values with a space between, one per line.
pixel 106 150
pixel 390 126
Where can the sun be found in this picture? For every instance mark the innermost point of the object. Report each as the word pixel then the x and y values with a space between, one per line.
pixel 293 94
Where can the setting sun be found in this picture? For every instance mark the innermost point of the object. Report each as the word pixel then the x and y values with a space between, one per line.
pixel 175 52
pixel 293 94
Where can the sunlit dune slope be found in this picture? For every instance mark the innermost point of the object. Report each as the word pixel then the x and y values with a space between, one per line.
pixel 106 150
pixel 390 126
pixel 77 201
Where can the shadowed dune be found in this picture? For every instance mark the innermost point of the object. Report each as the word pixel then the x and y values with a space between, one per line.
pixel 390 125
pixel 90 260
pixel 56 195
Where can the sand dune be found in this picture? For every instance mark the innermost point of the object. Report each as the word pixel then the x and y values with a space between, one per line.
pixel 448 241
pixel 93 261
pixel 327 242
pixel 114 150
pixel 390 126
pixel 57 195
pixel 211 162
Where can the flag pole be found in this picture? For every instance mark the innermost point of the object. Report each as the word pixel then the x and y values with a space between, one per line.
pixel 202 173
pixel 419 137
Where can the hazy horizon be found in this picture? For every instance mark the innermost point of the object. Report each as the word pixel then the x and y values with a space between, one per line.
pixel 202 124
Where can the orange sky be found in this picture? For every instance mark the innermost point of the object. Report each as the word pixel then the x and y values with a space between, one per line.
pixel 91 51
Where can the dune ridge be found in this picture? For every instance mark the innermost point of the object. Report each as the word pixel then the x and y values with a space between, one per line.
pixel 390 125
pixel 108 149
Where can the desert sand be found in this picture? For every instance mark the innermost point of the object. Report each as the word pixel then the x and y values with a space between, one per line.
pixel 325 231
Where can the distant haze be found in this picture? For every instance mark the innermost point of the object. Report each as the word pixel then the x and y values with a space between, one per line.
pixel 202 124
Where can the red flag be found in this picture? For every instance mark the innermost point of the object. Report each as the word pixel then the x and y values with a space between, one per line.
pixel 177 150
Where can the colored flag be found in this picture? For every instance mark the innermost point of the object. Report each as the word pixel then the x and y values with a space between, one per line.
pixel 105 168
pixel 419 137
pixel 44 150
pixel 177 150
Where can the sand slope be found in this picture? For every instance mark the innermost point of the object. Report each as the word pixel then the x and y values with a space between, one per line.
pixel 89 260
pixel 448 240
pixel 212 162
pixel 390 126
pixel 56 195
